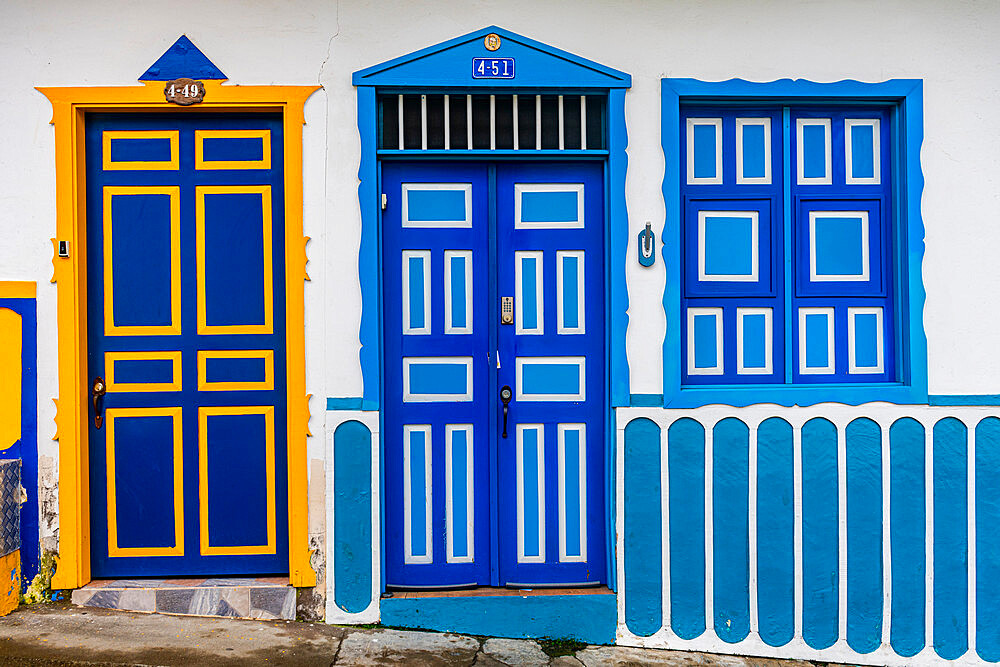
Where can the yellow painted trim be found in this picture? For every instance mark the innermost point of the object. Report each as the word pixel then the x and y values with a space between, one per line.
pixel 109 370
pixel 199 149
pixel 17 289
pixel 11 341
pixel 174 328
pixel 254 549
pixel 69 105
pixel 264 191
pixel 148 165
pixel 267 384
pixel 114 551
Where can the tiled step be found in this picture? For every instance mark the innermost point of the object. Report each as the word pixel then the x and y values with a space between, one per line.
pixel 262 598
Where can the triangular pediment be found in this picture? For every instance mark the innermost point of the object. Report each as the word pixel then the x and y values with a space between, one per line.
pixel 182 59
pixel 450 64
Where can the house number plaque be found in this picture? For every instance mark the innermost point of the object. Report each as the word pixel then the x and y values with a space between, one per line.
pixel 184 92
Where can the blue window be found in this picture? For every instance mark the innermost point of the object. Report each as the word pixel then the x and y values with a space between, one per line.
pixel 798 243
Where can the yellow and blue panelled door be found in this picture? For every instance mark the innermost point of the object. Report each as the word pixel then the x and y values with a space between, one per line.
pixel 186 312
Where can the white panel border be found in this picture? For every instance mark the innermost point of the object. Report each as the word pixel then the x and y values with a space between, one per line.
pixel 408 556
pixel 520 188
pixel 703 275
pixel 768 367
pixel 714 180
pixel 467 256
pixel 424 255
pixel 865 250
pixel 539 258
pixel 470 541
pixel 831 360
pixel 849 125
pixel 853 367
pixel 718 369
pixel 428 224
pixel 521 362
pixel 561 431
pixel 801 179
pixel 409 397
pixel 580 282
pixel 755 180
pixel 540 430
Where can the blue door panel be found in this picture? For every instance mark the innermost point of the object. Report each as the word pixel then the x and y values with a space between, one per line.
pixel 458 513
pixel 185 257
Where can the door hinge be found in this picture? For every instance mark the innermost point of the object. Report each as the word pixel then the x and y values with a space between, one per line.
pixel 385 201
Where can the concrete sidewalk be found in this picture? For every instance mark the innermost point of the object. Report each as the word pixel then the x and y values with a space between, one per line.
pixel 62 634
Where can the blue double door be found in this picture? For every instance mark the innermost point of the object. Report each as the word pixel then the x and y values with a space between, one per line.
pixel 494 392
pixel 186 344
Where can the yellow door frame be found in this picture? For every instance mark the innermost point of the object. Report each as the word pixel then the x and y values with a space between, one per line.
pixel 69 107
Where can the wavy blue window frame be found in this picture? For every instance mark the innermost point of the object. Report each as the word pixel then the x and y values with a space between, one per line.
pixel 908 252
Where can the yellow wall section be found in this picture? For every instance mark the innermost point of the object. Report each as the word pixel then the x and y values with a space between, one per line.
pixel 10 378
pixel 10 582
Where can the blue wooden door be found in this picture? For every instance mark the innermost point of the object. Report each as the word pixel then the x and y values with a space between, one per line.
pixel 186 322
pixel 454 236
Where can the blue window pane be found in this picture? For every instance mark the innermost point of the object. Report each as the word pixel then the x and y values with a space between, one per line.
pixel 862 151
pixel 817 333
pixel 416 289
pixel 549 207
pixel 814 151
pixel 753 151
pixel 435 205
pixel 754 341
pixel 839 246
pixel 728 246
pixel 458 292
pixel 705 353
pixel 438 378
pixel 704 151
pixel 550 378
pixel 866 340
pixel 570 293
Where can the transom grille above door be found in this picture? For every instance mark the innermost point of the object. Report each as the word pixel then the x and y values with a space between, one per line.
pixel 523 122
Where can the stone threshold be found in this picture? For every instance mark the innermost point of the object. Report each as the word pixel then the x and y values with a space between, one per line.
pixel 263 598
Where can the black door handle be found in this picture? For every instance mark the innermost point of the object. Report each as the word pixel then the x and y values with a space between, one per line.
pixel 505 395
pixel 97 390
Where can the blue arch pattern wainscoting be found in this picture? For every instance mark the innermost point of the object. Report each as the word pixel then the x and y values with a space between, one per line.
pixel 849 534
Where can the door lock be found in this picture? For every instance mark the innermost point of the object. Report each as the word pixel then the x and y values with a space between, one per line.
pixel 97 391
pixel 505 396
pixel 506 310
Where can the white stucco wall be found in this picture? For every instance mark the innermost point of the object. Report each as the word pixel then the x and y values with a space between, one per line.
pixel 951 45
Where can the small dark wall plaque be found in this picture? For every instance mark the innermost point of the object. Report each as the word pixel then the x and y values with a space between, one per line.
pixel 184 91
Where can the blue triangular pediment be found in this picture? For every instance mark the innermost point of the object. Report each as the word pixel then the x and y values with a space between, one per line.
pixel 183 59
pixel 449 63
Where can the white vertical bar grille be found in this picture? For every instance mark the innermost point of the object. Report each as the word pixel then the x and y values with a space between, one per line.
pixel 752 523
pixel 886 540
pixel 562 132
pixel 797 526
pixel 516 142
pixel 929 533
pixel 970 503
pixel 401 145
pixel 842 531
pixel 493 122
pixel 468 121
pixel 538 122
pixel 423 122
pixel 447 123
pixel 583 122
pixel 709 531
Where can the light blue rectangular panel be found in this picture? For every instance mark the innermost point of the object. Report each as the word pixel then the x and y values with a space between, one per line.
pixel 817 350
pixel 529 462
pixel 706 355
pixel 813 151
pixel 435 205
pixel 862 151
pixel 549 206
pixel 416 292
pixel 529 287
pixel 418 494
pixel 839 245
pixel 438 378
pixel 459 493
pixel 755 341
pixel 571 475
pixel 458 290
pixel 728 245
pixel 753 151
pixel 704 151
pixel 570 292
pixel 550 378
pixel 866 340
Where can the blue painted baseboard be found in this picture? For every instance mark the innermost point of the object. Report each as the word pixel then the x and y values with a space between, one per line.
pixel 587 618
